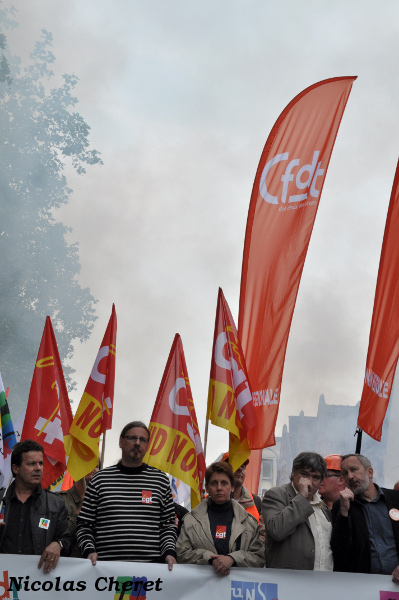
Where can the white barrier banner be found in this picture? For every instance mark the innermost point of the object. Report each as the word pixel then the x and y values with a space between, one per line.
pixel 77 579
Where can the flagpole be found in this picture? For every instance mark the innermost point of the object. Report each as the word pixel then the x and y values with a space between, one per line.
pixel 102 451
pixel 5 491
pixel 206 436
pixel 359 433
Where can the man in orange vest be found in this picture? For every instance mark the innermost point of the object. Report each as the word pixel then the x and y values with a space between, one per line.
pixel 250 502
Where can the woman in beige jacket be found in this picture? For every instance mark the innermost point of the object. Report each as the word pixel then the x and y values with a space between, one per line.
pixel 219 532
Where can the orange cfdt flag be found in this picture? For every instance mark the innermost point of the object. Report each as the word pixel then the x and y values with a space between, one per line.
pixel 48 414
pixel 94 414
pixel 229 398
pixel 175 444
pixel 383 352
pixel 284 202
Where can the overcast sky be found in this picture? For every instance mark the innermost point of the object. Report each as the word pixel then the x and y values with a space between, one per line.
pixel 180 97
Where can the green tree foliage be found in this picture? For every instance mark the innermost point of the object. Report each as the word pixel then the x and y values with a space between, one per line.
pixel 40 134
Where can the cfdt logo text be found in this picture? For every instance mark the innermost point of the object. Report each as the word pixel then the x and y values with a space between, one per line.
pixel 283 179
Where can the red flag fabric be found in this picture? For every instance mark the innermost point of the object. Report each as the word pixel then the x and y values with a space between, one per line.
pixel 284 202
pixel 94 414
pixel 383 351
pixel 67 482
pixel 229 398
pixel 48 414
pixel 252 474
pixel 175 443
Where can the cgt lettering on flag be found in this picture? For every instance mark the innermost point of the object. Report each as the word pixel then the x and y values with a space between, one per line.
pixel 223 402
pixel 175 445
pixel 94 414
pixel 228 357
pixel 230 404
pixel 48 415
pixel 252 590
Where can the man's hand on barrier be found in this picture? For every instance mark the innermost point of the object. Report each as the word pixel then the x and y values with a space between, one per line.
pixel 50 557
pixel 170 560
pixel 93 557
pixel 222 563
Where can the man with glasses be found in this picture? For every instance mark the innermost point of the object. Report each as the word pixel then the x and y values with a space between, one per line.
pixel 333 483
pixel 297 522
pixel 128 512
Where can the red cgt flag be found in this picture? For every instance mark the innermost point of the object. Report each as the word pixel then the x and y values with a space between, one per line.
pixel 229 398
pixel 175 444
pixel 48 414
pixel 284 202
pixel 94 414
pixel 383 352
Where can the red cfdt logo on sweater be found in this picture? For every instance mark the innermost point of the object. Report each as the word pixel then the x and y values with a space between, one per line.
pixel 221 532
pixel 146 497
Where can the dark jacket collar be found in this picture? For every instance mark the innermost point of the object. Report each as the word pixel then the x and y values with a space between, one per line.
pixel 36 493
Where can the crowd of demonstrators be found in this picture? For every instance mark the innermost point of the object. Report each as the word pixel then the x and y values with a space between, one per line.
pixel 219 531
pixel 73 498
pixel 333 483
pixel 365 536
pixel 298 524
pixel 128 512
pixel 35 521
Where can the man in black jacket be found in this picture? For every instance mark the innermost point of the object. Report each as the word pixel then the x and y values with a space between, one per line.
pixel 365 536
pixel 34 521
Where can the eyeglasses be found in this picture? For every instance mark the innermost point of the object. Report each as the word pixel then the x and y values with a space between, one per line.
pixel 314 476
pixel 134 439
pixel 332 475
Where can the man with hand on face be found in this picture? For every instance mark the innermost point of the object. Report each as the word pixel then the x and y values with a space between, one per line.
pixel 218 531
pixel 297 522
pixel 35 521
pixel 365 535
pixel 128 512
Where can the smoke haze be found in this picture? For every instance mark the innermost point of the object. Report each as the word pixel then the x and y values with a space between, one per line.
pixel 180 98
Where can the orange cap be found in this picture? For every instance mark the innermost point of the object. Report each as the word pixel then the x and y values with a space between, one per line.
pixel 333 462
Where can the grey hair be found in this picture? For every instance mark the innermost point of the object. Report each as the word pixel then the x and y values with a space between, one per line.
pixel 362 459
pixel 312 461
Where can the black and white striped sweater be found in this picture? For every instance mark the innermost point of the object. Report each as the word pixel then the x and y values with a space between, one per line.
pixel 128 514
